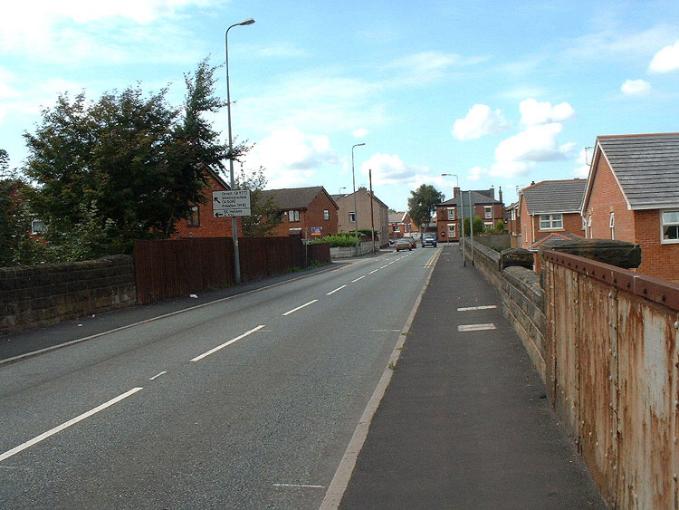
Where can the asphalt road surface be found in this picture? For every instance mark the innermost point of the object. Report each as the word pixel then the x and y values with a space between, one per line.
pixel 245 403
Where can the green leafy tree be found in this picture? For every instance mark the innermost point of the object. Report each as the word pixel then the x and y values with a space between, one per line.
pixel 265 215
pixel 500 226
pixel 422 203
pixel 479 227
pixel 125 167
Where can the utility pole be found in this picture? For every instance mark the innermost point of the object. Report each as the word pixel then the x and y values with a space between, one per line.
pixel 372 214
pixel 471 225
pixel 462 241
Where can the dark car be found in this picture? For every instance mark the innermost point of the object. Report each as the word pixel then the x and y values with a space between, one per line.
pixel 429 240
pixel 403 244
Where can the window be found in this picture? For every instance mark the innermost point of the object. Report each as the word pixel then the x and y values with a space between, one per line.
pixel 451 214
pixel 513 215
pixel 670 226
pixel 293 215
pixel 326 214
pixel 194 217
pixel 352 217
pixel 488 225
pixel 551 221
pixel 395 227
pixel 38 227
pixel 611 224
pixel 488 212
pixel 451 231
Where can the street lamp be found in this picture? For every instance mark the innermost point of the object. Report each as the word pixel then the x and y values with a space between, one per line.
pixel 461 220
pixel 234 221
pixel 353 177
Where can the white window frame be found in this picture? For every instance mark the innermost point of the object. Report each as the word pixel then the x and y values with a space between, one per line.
pixel 451 214
pixel 452 230
pixel 670 224
pixel 352 217
pixel 326 214
pixel 513 216
pixel 488 212
pixel 551 219
pixel 293 216
pixel 611 224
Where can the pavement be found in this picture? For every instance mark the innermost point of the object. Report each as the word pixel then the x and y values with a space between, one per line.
pixel 465 423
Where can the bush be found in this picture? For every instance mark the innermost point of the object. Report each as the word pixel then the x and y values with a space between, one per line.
pixel 339 240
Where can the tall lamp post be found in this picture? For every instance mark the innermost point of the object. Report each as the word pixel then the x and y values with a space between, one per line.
pixel 234 221
pixel 353 178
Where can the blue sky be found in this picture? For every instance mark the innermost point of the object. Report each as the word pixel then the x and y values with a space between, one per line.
pixel 499 93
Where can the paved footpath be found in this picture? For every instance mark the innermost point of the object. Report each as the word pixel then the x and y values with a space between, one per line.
pixel 465 423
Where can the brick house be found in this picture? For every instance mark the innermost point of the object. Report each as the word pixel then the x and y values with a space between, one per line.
pixel 202 222
pixel 305 212
pixel 400 225
pixel 347 216
pixel 513 223
pixel 633 195
pixel 550 206
pixel 484 205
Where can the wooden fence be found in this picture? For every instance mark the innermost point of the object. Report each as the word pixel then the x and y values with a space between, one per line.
pixel 172 268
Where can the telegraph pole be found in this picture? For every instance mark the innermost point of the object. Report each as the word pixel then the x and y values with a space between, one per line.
pixel 372 214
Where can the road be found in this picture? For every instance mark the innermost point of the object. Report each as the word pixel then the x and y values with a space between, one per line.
pixel 244 403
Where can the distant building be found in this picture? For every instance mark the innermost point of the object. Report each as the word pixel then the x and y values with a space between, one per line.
pixel 305 212
pixel 481 202
pixel 202 221
pixel 633 195
pixel 400 225
pixel 513 223
pixel 348 216
pixel 550 206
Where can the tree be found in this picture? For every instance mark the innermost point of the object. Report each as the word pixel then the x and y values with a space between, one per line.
pixel 479 227
pixel 125 167
pixel 264 212
pixel 422 203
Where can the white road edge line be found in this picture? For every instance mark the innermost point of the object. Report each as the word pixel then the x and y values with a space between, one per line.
pixel 165 315
pixel 475 327
pixel 482 307
pixel 374 270
pixel 67 424
pixel 340 480
pixel 336 290
pixel 359 278
pixel 385 265
pixel 300 307
pixel 157 375
pixel 226 344
pixel 299 485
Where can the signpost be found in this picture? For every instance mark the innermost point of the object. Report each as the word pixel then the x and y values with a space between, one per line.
pixel 231 203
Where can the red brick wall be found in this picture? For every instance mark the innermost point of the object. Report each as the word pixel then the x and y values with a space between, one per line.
pixel 530 226
pixel 209 225
pixel 442 220
pixel 526 228
pixel 606 197
pixel 311 217
pixel 657 259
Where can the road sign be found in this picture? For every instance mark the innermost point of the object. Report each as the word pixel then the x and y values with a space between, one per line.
pixel 231 203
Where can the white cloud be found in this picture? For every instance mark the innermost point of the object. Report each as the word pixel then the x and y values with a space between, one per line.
pixel 276 50
pixel 479 121
pixel 583 161
pixel 535 112
pixel 427 66
pixel 359 133
pixel 635 87
pixel 291 157
pixel 665 60
pixel 475 173
pixel 389 169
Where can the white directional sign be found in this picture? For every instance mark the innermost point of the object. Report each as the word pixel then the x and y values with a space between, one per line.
pixel 231 203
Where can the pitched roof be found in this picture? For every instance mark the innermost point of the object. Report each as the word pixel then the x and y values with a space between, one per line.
pixel 646 166
pixel 554 239
pixel 547 197
pixel 478 196
pixel 396 217
pixel 294 198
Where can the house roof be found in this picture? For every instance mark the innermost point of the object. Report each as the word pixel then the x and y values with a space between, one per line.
pixel 294 198
pixel 359 191
pixel 554 239
pixel 646 167
pixel 545 197
pixel 478 196
pixel 396 217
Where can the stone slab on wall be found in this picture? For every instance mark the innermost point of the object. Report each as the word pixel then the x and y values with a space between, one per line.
pixel 344 252
pixel 48 294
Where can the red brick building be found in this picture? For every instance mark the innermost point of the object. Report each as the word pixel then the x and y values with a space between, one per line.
pixel 550 206
pixel 633 195
pixel 305 212
pixel 513 223
pixel 400 225
pixel 484 206
pixel 202 222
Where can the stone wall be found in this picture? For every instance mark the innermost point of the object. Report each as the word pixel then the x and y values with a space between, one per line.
pixel 523 300
pixel 344 252
pixel 45 295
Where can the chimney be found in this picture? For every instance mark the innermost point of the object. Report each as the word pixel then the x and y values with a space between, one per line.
pixel 456 192
pixel 500 194
pixel 492 191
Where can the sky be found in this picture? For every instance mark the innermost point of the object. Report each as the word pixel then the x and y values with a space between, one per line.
pixel 497 93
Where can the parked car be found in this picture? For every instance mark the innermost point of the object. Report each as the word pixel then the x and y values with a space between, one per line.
pixel 403 244
pixel 429 240
pixel 412 241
